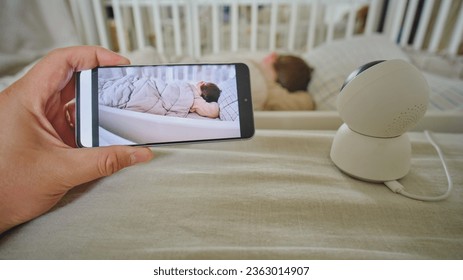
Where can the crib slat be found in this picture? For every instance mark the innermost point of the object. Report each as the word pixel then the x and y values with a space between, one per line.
pixel 457 34
pixel 138 24
pixel 423 25
pixel 119 26
pixel 159 35
pixel 254 21
pixel 436 34
pixel 313 21
pixel 100 24
pixel 292 25
pixel 189 29
pixel 234 26
pixel 169 73
pixel 177 31
pixel 371 17
pixel 196 29
pixel 410 14
pixel 351 20
pixel 397 20
pixel 330 31
pixel 215 28
pixel 273 25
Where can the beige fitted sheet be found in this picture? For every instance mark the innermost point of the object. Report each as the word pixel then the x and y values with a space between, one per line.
pixel 277 196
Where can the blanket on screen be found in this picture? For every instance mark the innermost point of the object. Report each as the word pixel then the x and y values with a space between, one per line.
pixel 147 95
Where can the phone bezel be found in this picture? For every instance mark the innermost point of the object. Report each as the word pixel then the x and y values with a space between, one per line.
pixel 243 86
pixel 85 129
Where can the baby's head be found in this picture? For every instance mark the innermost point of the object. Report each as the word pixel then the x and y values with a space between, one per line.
pixel 209 91
pixel 290 71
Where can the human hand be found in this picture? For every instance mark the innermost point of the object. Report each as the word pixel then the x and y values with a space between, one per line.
pixel 38 163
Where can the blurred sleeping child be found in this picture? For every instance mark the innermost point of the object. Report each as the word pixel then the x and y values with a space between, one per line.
pixel 287 78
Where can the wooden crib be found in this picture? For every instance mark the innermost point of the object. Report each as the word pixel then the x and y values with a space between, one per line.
pixel 176 29
pixel 202 26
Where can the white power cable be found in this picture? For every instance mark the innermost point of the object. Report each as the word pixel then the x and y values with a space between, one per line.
pixel 397 187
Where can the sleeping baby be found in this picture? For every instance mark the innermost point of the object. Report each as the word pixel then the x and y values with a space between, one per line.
pixel 155 96
pixel 205 100
pixel 287 79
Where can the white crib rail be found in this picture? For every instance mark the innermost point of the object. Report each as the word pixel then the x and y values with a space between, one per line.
pixel 188 73
pixel 196 28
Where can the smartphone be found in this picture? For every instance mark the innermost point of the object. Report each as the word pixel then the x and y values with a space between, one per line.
pixel 163 104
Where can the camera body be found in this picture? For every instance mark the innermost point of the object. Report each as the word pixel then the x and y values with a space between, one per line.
pixel 378 103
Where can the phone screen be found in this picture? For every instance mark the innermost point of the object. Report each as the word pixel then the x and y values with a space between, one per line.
pixel 163 104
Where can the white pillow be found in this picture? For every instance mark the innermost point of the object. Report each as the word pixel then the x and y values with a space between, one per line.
pixel 334 61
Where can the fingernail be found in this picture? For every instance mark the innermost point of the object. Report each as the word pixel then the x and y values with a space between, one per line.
pixel 141 155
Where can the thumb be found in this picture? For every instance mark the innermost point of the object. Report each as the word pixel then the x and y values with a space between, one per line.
pixel 98 162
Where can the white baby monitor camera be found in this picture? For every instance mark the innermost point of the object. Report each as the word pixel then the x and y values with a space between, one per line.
pixel 378 103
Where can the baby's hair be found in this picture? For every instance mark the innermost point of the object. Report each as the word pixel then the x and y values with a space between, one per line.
pixel 293 73
pixel 210 92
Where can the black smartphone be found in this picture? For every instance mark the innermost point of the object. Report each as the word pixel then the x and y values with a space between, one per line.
pixel 163 104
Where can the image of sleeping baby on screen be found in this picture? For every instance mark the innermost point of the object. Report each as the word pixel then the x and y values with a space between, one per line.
pixel 175 91
pixel 205 93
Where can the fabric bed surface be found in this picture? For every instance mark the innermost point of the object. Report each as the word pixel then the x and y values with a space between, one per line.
pixel 277 196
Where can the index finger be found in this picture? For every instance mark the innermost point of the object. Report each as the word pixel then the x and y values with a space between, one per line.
pixel 54 71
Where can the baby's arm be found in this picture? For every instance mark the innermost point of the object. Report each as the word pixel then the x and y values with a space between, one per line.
pixel 202 108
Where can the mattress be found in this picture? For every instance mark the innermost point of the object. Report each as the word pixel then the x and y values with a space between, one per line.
pixel 276 196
